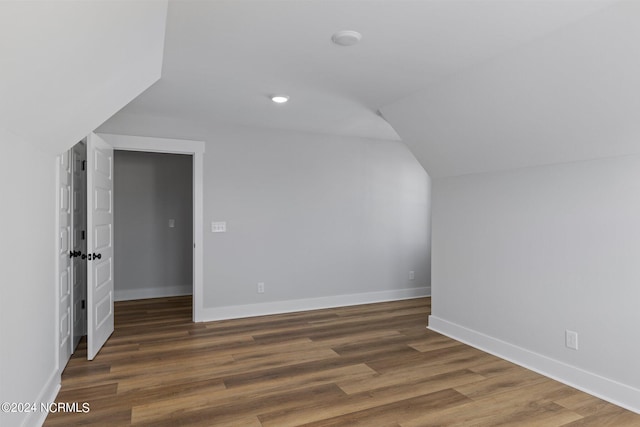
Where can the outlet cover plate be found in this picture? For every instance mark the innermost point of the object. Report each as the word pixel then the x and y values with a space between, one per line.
pixel 571 339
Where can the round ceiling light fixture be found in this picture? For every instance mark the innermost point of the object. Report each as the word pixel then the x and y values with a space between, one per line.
pixel 279 99
pixel 346 38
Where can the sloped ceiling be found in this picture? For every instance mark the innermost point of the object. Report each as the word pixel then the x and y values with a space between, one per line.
pixel 67 66
pixel 572 95
pixel 224 58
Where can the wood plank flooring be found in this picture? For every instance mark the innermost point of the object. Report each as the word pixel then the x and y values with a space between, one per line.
pixel 372 365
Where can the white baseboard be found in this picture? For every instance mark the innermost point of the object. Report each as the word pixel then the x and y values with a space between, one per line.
pixel 604 388
pixel 48 394
pixel 159 292
pixel 290 306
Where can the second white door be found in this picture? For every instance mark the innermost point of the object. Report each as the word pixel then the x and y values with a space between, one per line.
pixel 100 292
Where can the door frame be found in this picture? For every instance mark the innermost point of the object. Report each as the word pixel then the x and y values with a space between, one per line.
pixel 196 150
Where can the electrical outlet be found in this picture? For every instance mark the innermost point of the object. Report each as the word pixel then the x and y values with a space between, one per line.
pixel 412 275
pixel 261 287
pixel 571 339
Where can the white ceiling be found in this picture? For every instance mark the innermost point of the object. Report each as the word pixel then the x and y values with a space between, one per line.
pixel 63 68
pixel 223 59
pixel 571 96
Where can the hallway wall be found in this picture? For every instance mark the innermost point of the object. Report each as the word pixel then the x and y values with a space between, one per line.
pixel 151 258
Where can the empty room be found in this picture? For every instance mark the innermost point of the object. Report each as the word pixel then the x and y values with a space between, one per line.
pixel 322 213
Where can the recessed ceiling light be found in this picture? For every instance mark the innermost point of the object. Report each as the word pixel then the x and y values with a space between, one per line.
pixel 346 38
pixel 280 99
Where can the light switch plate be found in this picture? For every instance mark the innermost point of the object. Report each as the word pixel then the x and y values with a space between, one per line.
pixel 219 227
pixel 172 223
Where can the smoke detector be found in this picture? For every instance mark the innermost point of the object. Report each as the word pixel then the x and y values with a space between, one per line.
pixel 346 38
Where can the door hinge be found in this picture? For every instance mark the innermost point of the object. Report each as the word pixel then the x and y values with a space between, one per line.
pixel 84 165
pixel 83 304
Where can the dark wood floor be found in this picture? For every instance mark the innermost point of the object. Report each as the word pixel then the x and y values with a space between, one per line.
pixel 373 365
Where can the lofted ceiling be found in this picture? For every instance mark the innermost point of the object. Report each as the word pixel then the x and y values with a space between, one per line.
pixel 573 95
pixel 223 59
pixel 63 69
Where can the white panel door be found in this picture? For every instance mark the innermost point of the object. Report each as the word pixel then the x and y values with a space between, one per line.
pixel 63 204
pixel 79 243
pixel 99 243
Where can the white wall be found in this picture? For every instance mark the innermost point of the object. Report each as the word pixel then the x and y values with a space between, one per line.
pixel 313 217
pixel 520 256
pixel 152 259
pixel 28 351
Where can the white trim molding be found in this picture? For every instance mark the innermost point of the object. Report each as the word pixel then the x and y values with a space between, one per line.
pixel 604 388
pixel 157 292
pixel 178 146
pixel 290 306
pixel 48 394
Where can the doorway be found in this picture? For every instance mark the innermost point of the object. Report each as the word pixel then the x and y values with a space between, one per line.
pixel 196 150
pixel 101 161
pixel 153 223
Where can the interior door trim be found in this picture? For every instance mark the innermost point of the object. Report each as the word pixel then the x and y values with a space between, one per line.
pixel 178 146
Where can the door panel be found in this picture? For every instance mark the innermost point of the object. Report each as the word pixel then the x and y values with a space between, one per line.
pixel 64 258
pixel 99 243
pixel 79 245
